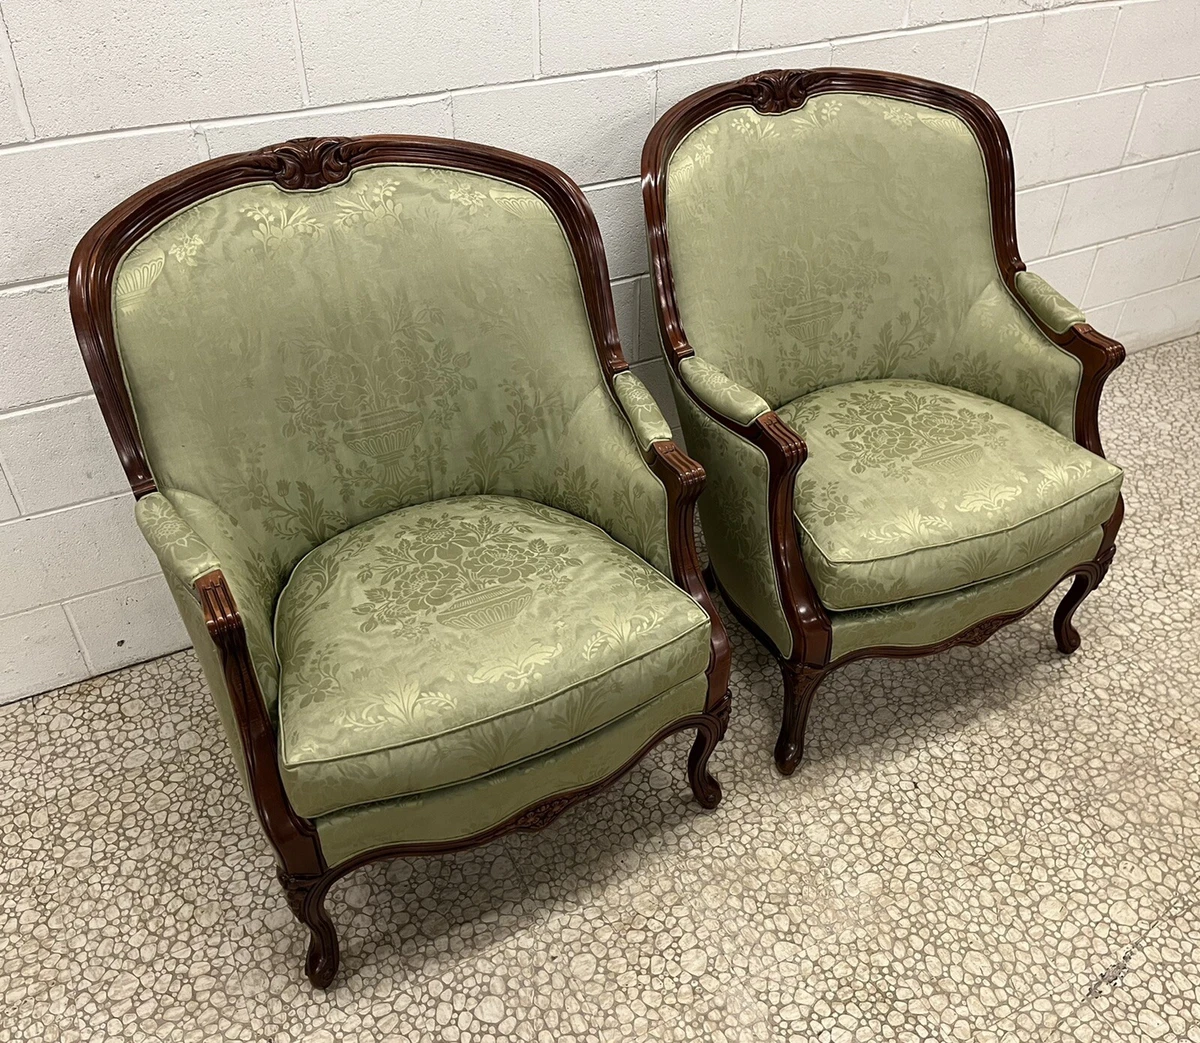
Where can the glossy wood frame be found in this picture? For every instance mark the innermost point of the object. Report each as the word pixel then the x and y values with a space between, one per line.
pixel 304 165
pixel 781 90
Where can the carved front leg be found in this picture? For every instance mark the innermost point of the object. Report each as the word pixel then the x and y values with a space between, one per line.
pixel 306 897
pixel 799 686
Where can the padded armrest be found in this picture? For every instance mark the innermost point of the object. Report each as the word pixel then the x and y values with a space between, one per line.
pixel 183 555
pixel 645 418
pixel 186 556
pixel 720 393
pixel 1050 306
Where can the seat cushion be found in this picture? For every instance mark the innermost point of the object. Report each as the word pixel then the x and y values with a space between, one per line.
pixel 440 642
pixel 913 489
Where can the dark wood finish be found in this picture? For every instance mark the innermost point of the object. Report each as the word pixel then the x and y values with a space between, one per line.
pixel 303 165
pixel 781 90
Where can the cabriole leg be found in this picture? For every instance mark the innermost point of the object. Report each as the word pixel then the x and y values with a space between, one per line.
pixel 799 686
pixel 1065 634
pixel 306 896
pixel 705 788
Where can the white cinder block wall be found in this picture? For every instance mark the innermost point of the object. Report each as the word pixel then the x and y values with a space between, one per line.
pixel 96 100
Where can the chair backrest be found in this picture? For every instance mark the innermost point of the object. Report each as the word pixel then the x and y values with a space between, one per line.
pixel 815 227
pixel 316 333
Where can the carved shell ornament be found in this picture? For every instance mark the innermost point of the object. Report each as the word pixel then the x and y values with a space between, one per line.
pixel 308 163
pixel 778 90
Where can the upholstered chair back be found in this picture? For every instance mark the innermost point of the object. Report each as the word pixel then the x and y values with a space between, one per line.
pixel 847 239
pixel 303 361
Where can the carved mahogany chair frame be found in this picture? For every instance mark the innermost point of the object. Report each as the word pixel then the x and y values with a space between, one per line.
pixel 781 90
pixel 303 165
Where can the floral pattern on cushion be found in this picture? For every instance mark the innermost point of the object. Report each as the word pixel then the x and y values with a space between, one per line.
pixel 443 641
pixel 913 489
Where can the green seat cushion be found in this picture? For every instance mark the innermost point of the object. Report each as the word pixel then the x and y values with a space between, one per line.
pixel 440 642
pixel 913 489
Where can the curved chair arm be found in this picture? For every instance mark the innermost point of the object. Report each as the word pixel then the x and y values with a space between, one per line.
pixel 1065 325
pixel 619 468
pixel 217 629
pixel 1049 306
pixel 748 510
pixel 183 555
pixel 641 410
pixel 720 393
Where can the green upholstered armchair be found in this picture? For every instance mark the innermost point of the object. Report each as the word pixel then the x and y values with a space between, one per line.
pixel 426 530
pixel 898 422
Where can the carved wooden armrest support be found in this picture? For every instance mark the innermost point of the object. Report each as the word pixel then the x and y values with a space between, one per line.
pixel 683 479
pixel 293 837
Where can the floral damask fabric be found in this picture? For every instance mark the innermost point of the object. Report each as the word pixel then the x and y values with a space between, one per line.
pixel 927 621
pixel 735 514
pixel 912 489
pixel 181 552
pixel 468 807
pixel 442 641
pixel 301 362
pixel 646 419
pixel 719 392
pixel 1047 303
pixel 850 239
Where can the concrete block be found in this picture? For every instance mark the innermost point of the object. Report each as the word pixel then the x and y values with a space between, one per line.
pixel 592 128
pixel 39 358
pixel 51 557
pixel 1167 124
pixel 780 23
pixel 1037 215
pixel 430 118
pixel 947 54
pixel 38 652
pixel 1140 264
pixel 357 50
pixel 55 191
pixel 1045 56
pixel 1161 316
pixel 88 67
pixel 1156 41
pixel 605 34
pixel 618 210
pixel 59 454
pixel 128 624
pixel 1113 205
pixel 1070 138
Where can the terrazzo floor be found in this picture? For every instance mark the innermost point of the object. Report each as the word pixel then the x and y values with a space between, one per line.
pixel 998 843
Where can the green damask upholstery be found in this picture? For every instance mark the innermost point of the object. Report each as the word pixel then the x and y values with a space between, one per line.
pixel 440 642
pixel 450 812
pixel 1047 303
pixel 300 363
pixel 913 489
pixel 646 419
pixel 429 536
pixel 734 513
pixel 720 393
pixel 926 621
pixel 851 239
